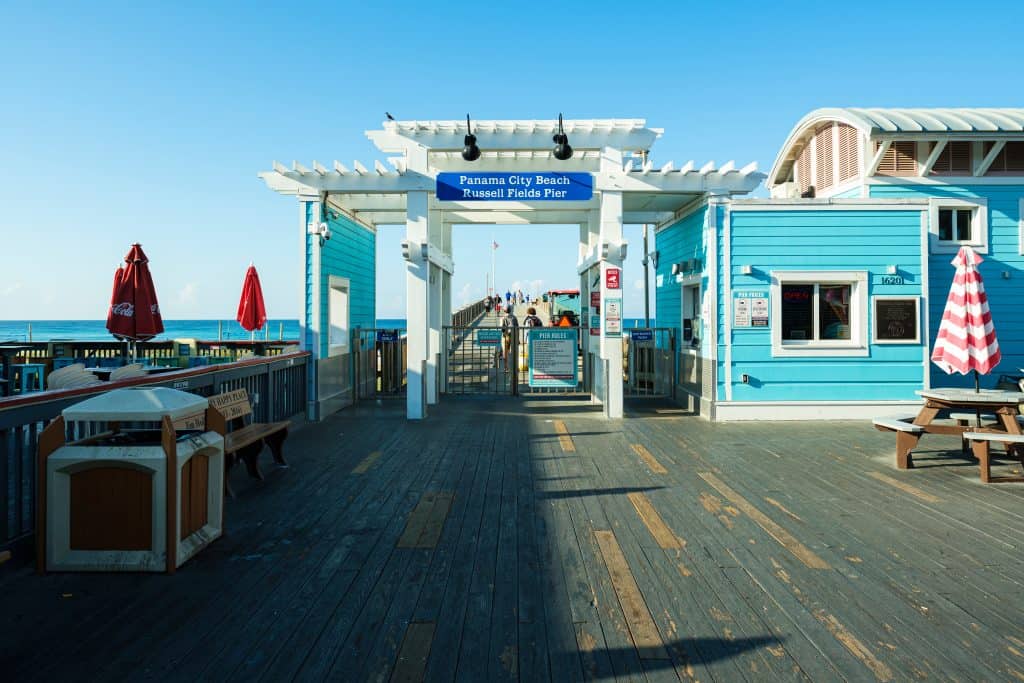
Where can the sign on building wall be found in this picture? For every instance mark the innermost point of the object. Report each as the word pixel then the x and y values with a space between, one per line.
pixel 613 317
pixel 749 308
pixel 516 187
pixel 552 357
pixel 612 278
pixel 896 320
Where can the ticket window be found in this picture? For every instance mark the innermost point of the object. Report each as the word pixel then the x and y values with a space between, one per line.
pixel 691 315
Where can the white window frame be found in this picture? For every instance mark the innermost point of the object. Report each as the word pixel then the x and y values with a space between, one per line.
pixel 685 283
pixel 342 284
pixel 1020 226
pixel 917 312
pixel 856 345
pixel 979 224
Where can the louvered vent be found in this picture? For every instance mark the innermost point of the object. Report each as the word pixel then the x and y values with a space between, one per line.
pixel 803 168
pixel 823 157
pixel 1010 161
pixel 954 159
pixel 899 160
pixel 849 163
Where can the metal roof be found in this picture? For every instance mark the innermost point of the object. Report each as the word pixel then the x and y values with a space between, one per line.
pixel 878 122
pixel 959 120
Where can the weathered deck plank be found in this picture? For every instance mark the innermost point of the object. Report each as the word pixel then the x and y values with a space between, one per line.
pixel 757 552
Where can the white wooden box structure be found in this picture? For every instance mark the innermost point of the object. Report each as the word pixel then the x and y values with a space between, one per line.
pixel 104 498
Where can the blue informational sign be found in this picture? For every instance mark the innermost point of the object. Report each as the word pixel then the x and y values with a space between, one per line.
pixel 488 337
pixel 517 187
pixel 639 335
pixel 553 357
pixel 387 335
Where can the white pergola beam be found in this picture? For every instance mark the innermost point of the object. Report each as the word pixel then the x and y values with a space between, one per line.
pixel 679 183
pixel 395 142
pixel 291 182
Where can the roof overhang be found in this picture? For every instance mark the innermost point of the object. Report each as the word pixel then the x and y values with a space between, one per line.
pixel 895 124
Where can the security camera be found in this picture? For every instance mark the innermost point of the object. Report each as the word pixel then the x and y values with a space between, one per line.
pixel 325 231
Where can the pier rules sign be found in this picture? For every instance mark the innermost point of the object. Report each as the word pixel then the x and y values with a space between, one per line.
pixel 553 357
pixel 515 187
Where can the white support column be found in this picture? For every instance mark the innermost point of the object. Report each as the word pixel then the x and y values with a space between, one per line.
pixel 435 230
pixel 417 305
pixel 611 236
pixel 593 346
pixel 446 301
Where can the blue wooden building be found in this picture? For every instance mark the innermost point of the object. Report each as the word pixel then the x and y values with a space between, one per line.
pixel 822 301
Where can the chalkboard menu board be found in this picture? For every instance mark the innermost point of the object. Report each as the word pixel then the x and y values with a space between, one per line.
pixel 896 320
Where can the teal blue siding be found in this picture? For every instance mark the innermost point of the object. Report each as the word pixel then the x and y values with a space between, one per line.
pixel 1003 256
pixel 678 242
pixel 856 240
pixel 350 253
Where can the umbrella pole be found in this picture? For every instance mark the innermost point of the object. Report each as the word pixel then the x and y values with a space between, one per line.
pixel 977 411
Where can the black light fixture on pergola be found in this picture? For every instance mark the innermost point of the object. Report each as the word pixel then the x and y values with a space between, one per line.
pixel 562 151
pixel 470 152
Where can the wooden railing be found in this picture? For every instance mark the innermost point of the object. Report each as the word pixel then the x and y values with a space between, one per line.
pixel 277 386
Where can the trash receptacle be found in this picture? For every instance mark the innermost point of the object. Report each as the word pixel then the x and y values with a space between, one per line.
pixel 140 487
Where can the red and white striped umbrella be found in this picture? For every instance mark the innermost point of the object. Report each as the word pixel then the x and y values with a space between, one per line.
pixel 966 339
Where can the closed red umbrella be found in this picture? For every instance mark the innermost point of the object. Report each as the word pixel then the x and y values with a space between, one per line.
pixel 134 312
pixel 967 338
pixel 252 313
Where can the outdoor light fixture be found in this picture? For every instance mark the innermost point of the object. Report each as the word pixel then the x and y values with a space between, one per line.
pixel 746 270
pixel 562 149
pixel 470 152
pixel 892 269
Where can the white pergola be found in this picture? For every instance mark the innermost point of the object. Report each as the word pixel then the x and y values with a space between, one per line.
pixel 627 189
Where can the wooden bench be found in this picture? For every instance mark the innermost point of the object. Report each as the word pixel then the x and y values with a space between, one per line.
pixel 980 445
pixel 226 416
pixel 907 436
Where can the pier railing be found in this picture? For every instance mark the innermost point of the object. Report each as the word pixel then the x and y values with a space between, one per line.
pixel 165 352
pixel 276 385
pixel 467 315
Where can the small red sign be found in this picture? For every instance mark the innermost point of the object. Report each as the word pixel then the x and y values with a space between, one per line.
pixel 595 299
pixel 611 278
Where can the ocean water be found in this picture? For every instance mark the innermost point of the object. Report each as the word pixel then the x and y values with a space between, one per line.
pixel 96 330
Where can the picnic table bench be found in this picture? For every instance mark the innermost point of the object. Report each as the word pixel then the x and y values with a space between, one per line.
pixel 226 416
pixel 980 442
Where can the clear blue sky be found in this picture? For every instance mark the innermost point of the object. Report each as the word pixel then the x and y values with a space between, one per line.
pixel 125 122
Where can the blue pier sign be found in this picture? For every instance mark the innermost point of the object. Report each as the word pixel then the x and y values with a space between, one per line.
pixel 517 187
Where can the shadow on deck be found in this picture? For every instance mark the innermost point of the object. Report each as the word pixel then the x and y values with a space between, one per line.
pixel 498 541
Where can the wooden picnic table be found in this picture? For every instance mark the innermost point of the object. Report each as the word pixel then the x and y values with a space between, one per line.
pixel 1004 405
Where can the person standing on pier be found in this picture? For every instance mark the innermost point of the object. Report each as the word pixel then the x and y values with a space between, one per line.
pixel 509 327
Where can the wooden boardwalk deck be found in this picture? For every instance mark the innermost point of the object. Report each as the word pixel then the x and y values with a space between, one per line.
pixel 532 540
